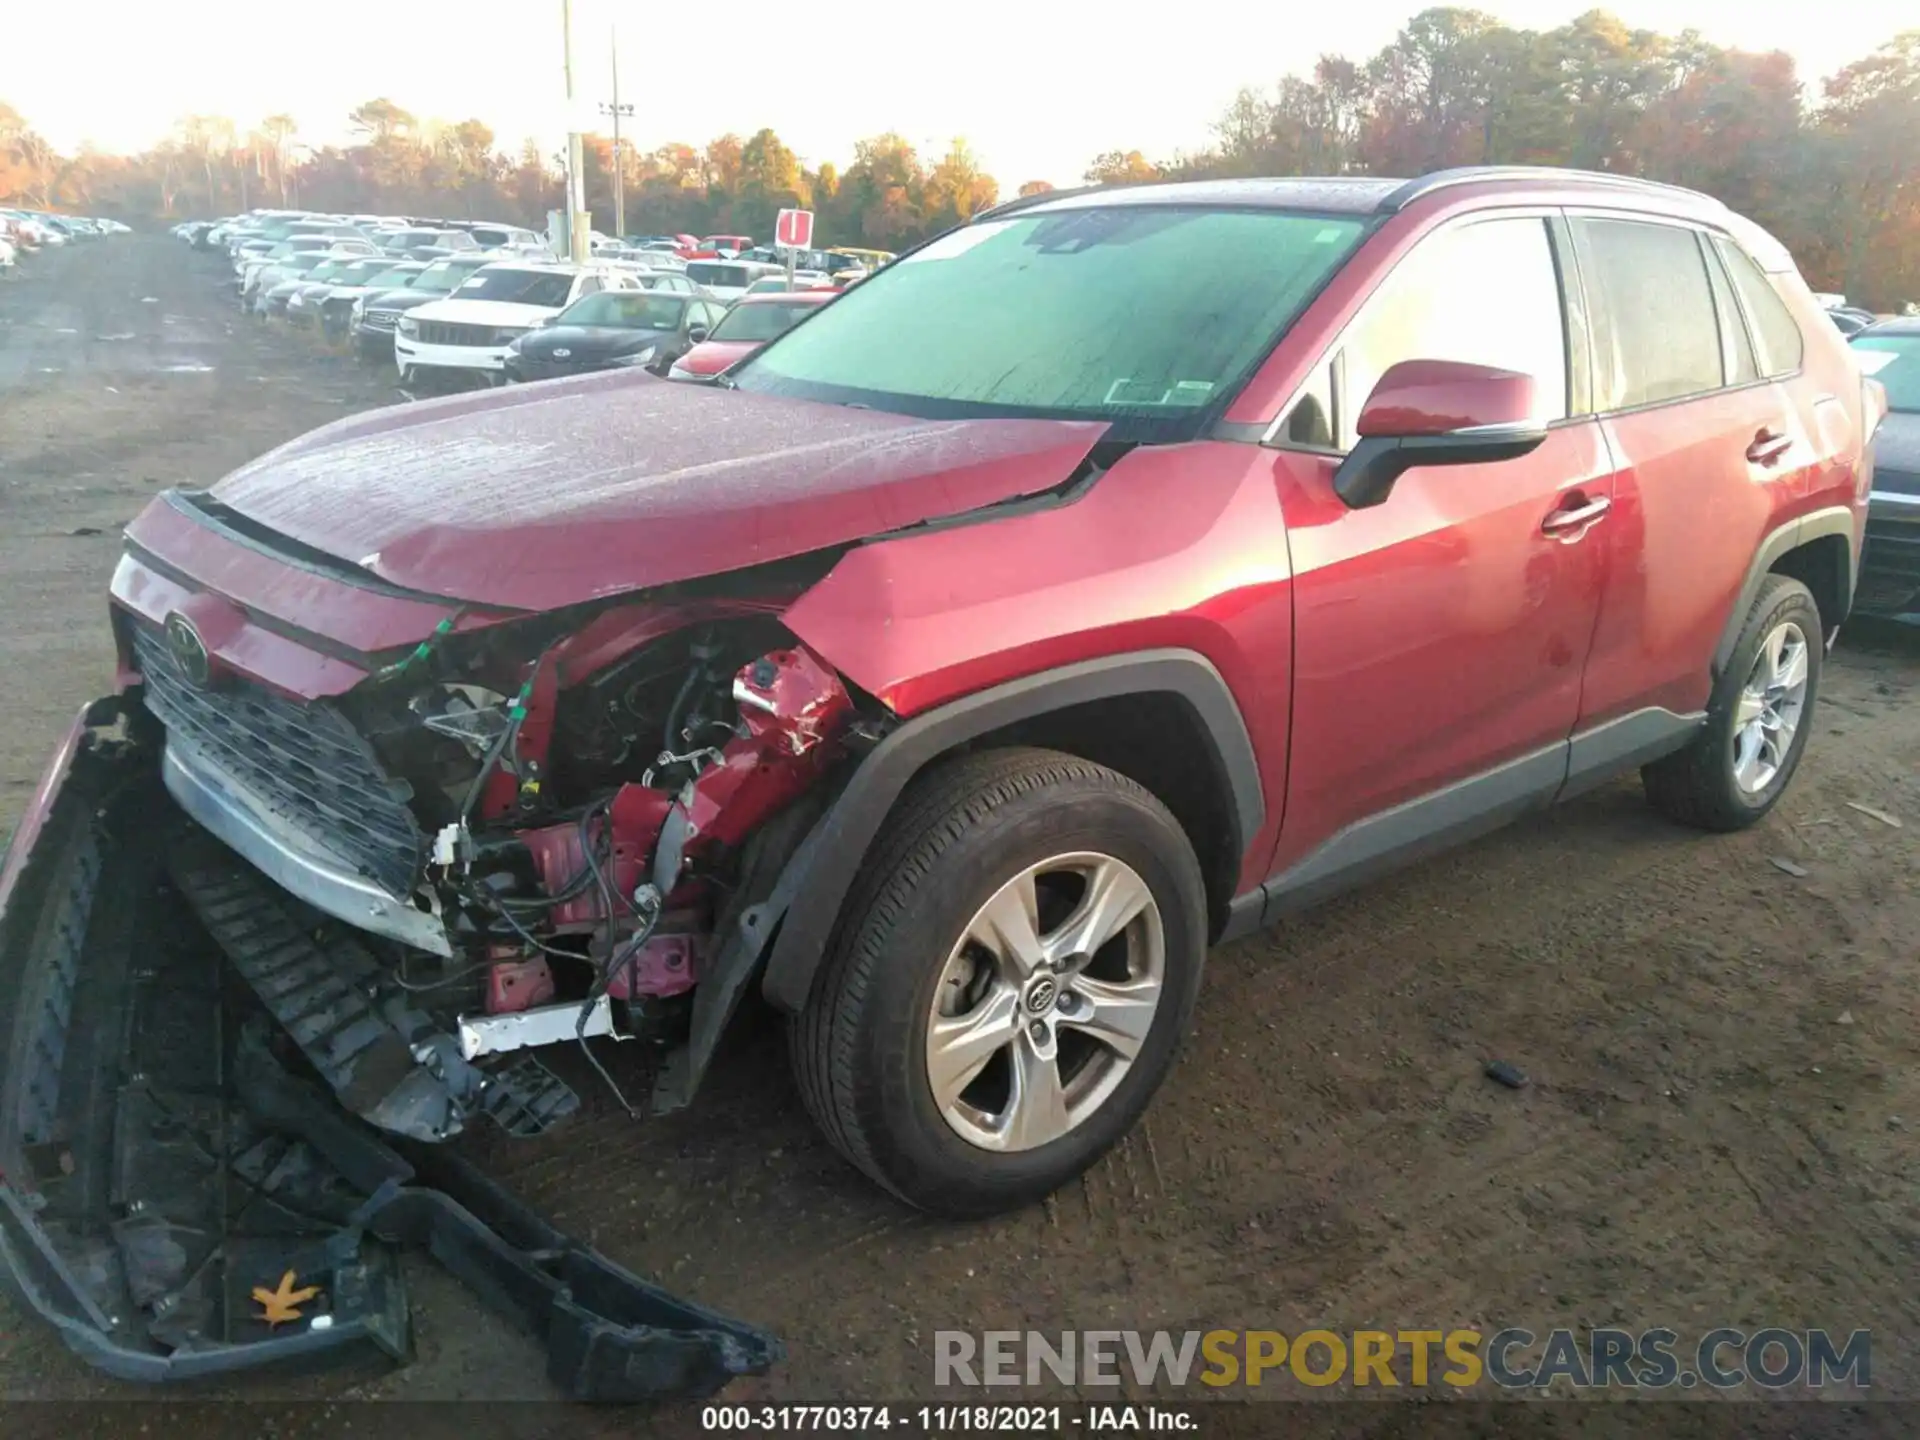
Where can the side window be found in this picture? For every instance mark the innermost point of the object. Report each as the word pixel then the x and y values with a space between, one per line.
pixel 589 285
pixel 1485 293
pixel 1781 343
pixel 1656 336
pixel 1735 343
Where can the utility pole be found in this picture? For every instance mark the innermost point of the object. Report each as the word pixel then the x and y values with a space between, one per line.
pixel 579 222
pixel 616 110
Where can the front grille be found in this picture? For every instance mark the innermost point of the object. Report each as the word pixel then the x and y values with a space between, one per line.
pixel 306 766
pixel 445 332
pixel 1889 568
pixel 379 319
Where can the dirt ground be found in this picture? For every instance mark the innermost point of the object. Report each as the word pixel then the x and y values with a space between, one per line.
pixel 1719 1130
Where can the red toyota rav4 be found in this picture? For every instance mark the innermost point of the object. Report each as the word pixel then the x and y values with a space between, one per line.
pixel 1104 579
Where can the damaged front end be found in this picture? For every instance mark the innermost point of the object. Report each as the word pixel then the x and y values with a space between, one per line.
pixel 228 900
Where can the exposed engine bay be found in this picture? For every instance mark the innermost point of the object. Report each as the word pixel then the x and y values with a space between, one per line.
pixel 560 821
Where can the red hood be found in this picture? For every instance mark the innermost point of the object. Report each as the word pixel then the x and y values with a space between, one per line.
pixel 548 495
pixel 710 357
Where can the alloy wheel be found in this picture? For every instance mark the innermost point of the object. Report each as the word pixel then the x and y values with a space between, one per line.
pixel 1045 1001
pixel 1770 708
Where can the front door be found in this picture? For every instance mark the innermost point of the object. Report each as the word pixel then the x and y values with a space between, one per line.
pixel 1440 637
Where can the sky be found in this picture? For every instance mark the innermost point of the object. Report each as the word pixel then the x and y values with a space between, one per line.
pixel 1037 87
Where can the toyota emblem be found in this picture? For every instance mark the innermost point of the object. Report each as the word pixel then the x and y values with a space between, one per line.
pixel 562 354
pixel 189 650
pixel 1040 997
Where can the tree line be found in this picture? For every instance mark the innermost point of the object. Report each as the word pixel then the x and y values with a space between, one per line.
pixel 1832 167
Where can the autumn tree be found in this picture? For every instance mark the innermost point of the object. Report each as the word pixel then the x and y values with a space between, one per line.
pixel 1034 187
pixel 957 188
pixel 1121 167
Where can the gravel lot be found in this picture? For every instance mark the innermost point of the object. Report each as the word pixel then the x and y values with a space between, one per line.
pixel 1720 1128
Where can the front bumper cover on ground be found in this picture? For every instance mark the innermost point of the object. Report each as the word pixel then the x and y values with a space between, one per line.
pixel 160 1160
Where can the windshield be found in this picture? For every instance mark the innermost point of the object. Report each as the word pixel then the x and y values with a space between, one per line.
pixel 1149 314
pixel 727 277
pixel 522 287
pixel 391 279
pixel 625 310
pixel 358 272
pixel 1893 360
pixel 440 279
pixel 760 323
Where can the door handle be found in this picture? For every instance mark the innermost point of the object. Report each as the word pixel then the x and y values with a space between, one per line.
pixel 1568 524
pixel 1768 446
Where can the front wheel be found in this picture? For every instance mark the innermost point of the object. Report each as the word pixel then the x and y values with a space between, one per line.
pixel 1009 982
pixel 1758 718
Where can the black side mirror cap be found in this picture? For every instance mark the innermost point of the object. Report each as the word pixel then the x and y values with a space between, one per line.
pixel 1367 475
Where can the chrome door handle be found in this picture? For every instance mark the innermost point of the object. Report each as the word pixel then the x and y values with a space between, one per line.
pixel 1566 523
pixel 1768 446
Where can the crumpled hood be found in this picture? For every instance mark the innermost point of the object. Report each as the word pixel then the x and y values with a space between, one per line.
pixel 578 489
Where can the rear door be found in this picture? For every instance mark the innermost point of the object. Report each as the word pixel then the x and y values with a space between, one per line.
pixel 1707 452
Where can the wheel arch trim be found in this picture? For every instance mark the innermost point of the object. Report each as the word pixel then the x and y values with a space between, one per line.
pixel 824 868
pixel 1835 520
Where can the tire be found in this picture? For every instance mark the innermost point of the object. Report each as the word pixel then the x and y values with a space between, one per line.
pixel 1702 785
pixel 963 834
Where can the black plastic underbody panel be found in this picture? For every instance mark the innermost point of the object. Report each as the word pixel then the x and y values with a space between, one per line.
pixel 162 1156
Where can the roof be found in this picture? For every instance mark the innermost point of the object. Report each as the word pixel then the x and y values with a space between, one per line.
pixel 1899 325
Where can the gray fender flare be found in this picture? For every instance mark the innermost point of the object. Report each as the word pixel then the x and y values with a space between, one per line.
pixel 823 870
pixel 1835 520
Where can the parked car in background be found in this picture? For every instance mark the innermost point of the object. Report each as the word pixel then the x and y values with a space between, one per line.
pixel 720 247
pixel 9 255
pixel 859 259
pixel 466 334
pixel 1850 321
pixel 305 305
pixel 780 285
pixel 614 329
pixel 374 317
pixel 753 321
pixel 268 280
pixel 1889 352
pixel 728 279
pixel 338 305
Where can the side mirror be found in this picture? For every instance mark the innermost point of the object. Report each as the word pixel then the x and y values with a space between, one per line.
pixel 697 333
pixel 1436 412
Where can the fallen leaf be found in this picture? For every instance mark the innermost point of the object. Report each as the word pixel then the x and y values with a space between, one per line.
pixel 1870 812
pixel 1845 1018
pixel 281 1304
pixel 1799 871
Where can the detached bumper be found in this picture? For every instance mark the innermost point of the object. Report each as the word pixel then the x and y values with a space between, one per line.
pixel 159 1165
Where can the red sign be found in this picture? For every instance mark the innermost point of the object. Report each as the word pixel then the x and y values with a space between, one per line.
pixel 793 229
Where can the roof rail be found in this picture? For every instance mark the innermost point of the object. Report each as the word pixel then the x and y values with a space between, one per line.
pixel 1023 202
pixel 1469 174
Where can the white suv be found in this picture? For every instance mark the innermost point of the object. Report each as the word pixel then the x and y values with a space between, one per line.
pixel 469 331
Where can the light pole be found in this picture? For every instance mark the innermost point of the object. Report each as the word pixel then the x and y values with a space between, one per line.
pixel 578 221
pixel 616 110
